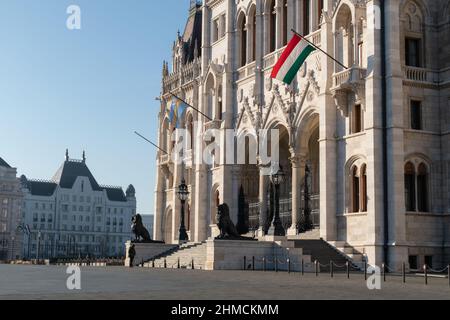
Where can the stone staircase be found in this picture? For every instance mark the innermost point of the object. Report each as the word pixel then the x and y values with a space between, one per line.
pixel 323 252
pixel 185 254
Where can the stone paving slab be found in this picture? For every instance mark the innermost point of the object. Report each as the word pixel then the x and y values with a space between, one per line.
pixel 115 283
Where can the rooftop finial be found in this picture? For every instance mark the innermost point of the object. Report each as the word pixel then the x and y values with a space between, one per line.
pixel 67 154
pixel 84 156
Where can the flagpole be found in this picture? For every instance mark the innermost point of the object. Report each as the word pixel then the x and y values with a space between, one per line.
pixel 190 106
pixel 323 51
pixel 150 142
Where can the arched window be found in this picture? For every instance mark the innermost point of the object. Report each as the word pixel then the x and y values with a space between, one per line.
pixel 272 26
pixel 410 187
pixel 252 25
pixel 412 18
pixel 242 32
pixel 306 28
pixel 355 190
pixel 422 188
pixel 364 188
pixel 284 31
pixel 344 37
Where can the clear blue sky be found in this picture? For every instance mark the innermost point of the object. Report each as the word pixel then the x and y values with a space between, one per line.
pixel 86 89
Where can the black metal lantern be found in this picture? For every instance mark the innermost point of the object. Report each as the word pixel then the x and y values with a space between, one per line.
pixel 277 178
pixel 183 195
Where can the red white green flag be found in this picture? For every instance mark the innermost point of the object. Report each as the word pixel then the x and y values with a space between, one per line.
pixel 292 58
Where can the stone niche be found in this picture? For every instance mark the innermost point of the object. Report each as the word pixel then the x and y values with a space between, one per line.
pixel 229 255
pixel 147 251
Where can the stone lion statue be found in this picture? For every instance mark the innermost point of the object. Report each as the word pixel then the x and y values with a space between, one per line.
pixel 137 227
pixel 227 228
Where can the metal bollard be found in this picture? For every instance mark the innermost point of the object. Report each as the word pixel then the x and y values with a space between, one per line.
pixel 276 264
pixel 245 263
pixel 425 270
pixel 253 263
pixel 178 264
pixel 264 264
pixel 383 269
pixel 153 264
pixel 289 265
pixel 331 269
pixel 165 263
pixel 316 265
pixel 303 267
pixel 193 265
pixel 404 272
pixel 365 270
pixel 347 264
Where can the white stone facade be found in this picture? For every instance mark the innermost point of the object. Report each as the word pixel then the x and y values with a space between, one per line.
pixel 73 216
pixel 330 121
pixel 11 198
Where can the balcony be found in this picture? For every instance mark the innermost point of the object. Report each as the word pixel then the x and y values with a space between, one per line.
pixel 246 71
pixel 348 77
pixel 421 76
pixel 348 85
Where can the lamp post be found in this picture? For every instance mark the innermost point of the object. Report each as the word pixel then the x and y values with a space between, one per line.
pixel 183 195
pixel 38 245
pixel 13 239
pixel 277 179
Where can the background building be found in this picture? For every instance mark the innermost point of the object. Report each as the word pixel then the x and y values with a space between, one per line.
pixel 148 220
pixel 376 185
pixel 72 215
pixel 11 198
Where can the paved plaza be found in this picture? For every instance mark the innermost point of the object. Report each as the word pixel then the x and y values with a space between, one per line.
pixel 49 282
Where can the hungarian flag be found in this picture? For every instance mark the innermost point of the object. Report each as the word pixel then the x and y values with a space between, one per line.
pixel 292 59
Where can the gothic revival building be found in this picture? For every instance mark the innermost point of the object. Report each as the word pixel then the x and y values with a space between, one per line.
pixel 366 149
pixel 72 215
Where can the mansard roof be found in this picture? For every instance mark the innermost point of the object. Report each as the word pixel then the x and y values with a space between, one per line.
pixel 70 170
pixel 3 163
pixel 66 176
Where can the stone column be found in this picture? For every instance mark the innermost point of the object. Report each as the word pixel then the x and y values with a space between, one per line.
pixel 298 171
pixel 279 24
pixel 159 206
pixel 263 183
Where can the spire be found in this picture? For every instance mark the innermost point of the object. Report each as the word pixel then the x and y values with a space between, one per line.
pixel 67 154
pixel 84 156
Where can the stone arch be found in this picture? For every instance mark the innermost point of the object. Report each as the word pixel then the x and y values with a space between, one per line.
pixel 251 22
pixel 307 121
pixel 355 189
pixel 210 94
pixel 167 225
pixel 344 42
pixel 241 37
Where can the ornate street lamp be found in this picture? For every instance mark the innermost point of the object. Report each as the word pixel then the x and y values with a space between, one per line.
pixel 183 195
pixel 277 179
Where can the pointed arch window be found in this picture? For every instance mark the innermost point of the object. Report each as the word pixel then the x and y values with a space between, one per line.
pixel 364 188
pixel 284 31
pixel 306 5
pixel 422 188
pixel 355 190
pixel 243 40
pixel 410 187
pixel 272 27
pixel 252 21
